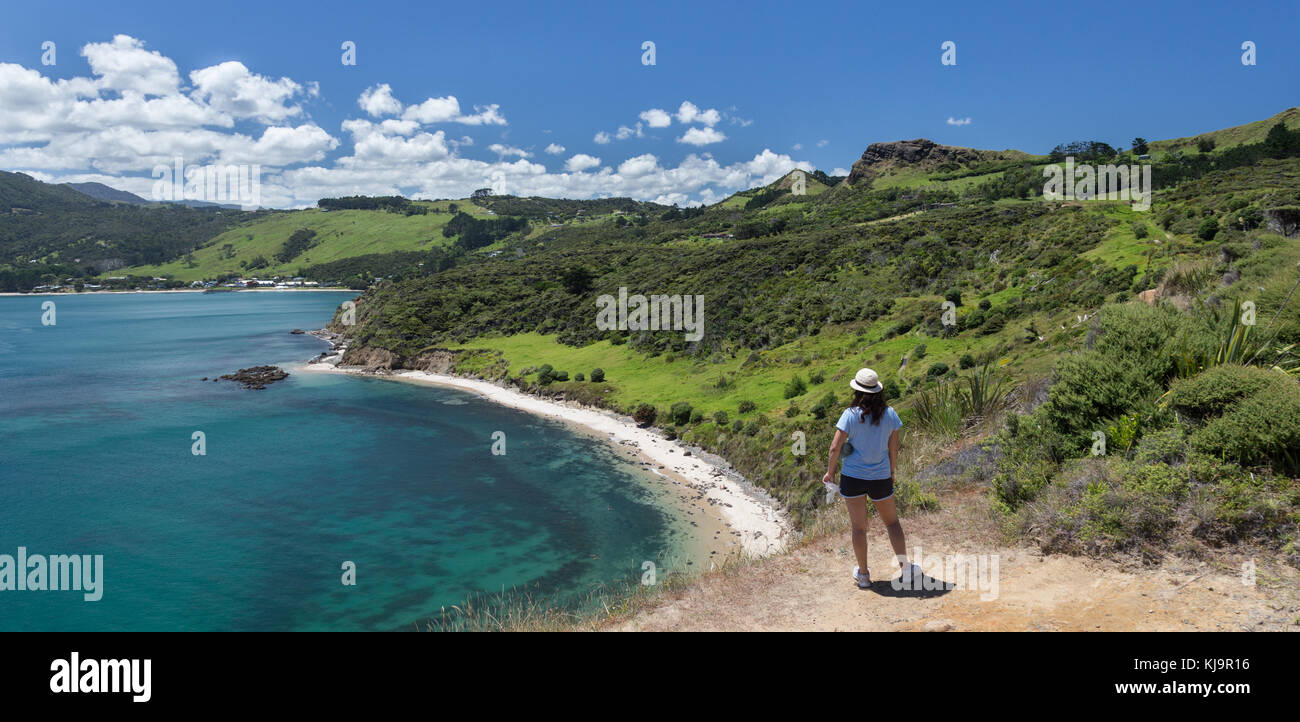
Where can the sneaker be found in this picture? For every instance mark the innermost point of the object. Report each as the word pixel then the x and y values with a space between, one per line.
pixel 863 579
pixel 911 574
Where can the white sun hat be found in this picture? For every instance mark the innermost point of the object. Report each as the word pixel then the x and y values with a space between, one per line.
pixel 866 380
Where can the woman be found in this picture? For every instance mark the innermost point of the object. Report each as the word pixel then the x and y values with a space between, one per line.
pixel 871 428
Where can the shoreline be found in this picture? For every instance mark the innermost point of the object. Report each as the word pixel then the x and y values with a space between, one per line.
pixel 758 524
pixel 181 290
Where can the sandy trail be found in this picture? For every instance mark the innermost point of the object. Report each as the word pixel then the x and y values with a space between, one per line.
pixel 809 589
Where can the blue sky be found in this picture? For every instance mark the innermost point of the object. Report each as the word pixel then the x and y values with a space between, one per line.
pixel 773 85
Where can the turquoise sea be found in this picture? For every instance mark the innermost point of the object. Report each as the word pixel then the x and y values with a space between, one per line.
pixel 97 416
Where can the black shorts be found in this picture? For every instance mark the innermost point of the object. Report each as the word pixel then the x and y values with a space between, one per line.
pixel 873 489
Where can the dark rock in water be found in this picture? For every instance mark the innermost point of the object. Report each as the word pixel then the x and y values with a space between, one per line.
pixel 297 332
pixel 257 377
pixel 205 378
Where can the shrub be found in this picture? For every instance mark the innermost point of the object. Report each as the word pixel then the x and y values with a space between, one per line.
pixel 1167 446
pixel 751 429
pixel 954 296
pixel 891 390
pixel 993 324
pixel 720 418
pixel 681 413
pixel 918 353
pixel 645 415
pixel 819 411
pixel 578 376
pixel 597 375
pixel 1208 229
pixel 966 361
pixel 1214 390
pixel 796 387
pixel 696 417
pixel 937 369
pixel 746 407
pixel 816 377
pixel 1262 428
pixel 1128 363
pixel 737 425
pixel 561 376
pixel 1139 230
pixel 545 374
pixel 792 411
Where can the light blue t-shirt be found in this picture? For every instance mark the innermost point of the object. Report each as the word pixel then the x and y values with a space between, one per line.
pixel 870 457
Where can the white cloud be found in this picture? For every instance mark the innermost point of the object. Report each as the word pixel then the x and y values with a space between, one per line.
pixel 690 113
pixel 132 113
pixel 434 110
pixel 506 150
pixel 378 101
pixel 797 147
pixel 639 166
pixel 822 143
pixel 124 65
pixel 230 88
pixel 581 162
pixel 656 118
pixel 954 121
pixel 840 171
pixel 701 136
pixel 484 115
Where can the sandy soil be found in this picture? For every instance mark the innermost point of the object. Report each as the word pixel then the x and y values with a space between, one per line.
pixel 811 589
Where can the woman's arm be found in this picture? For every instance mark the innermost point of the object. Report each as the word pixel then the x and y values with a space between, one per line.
pixel 893 453
pixel 836 445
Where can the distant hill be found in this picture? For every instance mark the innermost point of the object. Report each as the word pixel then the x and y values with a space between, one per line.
pixel 102 192
pixel 56 223
pixel 923 154
pixel 1230 137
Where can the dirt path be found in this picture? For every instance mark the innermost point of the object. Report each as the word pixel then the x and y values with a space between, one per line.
pixel 810 589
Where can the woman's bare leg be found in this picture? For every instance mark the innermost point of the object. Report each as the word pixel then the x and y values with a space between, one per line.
pixel 858 520
pixel 888 512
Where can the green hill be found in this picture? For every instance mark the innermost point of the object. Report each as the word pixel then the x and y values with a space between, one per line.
pixel 799 292
pixel 1230 137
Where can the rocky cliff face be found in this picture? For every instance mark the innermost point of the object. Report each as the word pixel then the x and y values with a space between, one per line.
pixel 1285 221
pixel 919 152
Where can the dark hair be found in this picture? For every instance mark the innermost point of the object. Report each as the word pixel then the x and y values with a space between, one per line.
pixel 873 404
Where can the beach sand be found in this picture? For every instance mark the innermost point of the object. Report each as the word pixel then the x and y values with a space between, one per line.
pixel 756 524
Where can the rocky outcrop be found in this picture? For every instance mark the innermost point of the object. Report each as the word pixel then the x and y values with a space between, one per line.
pixel 1285 221
pixel 257 377
pixel 370 358
pixel 919 152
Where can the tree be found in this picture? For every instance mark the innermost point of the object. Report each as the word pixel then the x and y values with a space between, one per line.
pixel 577 280
pixel 1140 146
pixel 1208 229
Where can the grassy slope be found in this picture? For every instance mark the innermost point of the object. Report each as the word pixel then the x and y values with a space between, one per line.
pixel 340 234
pixel 1229 137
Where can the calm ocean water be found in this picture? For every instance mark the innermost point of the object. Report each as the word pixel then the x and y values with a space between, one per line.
pixel 97 414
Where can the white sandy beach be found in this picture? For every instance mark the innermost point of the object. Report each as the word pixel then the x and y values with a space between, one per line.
pixel 762 527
